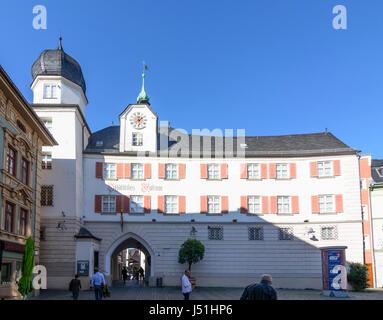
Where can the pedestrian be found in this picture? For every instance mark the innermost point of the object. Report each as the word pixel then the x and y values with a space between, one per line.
pixel 186 285
pixel 75 286
pixel 141 272
pixel 124 274
pixel 247 291
pixel 97 281
pixel 263 290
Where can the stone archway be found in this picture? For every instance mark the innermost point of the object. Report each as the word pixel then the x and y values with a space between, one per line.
pixel 128 240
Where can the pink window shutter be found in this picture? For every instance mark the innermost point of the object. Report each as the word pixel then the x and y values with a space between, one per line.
pixel 148 170
pixel 273 170
pixel 127 170
pixel 263 171
pixel 224 171
pixel 120 170
pixel 313 169
pixel 161 171
pixel 243 172
pixel 161 204
pixel 339 203
pixel 147 204
pixel 126 207
pixel 224 204
pixel 265 205
pixel 181 204
pixel 295 204
pixel 181 171
pixel 244 208
pixel 119 203
pixel 203 204
pixel 273 205
pixel 203 171
pixel 336 165
pixel 315 204
pixel 293 170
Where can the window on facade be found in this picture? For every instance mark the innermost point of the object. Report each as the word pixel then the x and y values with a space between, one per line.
pixel 366 239
pixel 254 204
pixel 23 222
pixel 137 204
pixel 47 196
pixel 171 204
pixel 11 161
pixel 46 160
pixel 137 171
pixel 25 171
pixel 171 171
pixel 6 272
pixel 255 233
pixel 253 171
pixel 282 171
pixel 213 204
pixel 109 171
pixel 326 204
pixel 213 171
pixel 137 139
pixel 50 91
pixel 329 233
pixel 108 204
pixel 9 215
pixel 283 204
pixel 215 233
pixel 286 233
pixel 48 123
pixel 324 168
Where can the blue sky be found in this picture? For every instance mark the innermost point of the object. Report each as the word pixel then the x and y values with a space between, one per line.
pixel 270 67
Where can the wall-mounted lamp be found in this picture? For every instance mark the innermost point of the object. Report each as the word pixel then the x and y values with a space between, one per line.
pixel 193 231
pixel 234 220
pixel 153 220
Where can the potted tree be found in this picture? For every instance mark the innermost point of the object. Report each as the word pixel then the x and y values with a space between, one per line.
pixel 191 251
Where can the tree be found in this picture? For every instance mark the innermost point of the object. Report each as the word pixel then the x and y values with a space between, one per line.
pixel 358 276
pixel 191 251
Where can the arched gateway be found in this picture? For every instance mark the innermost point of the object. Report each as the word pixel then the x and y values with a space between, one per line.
pixel 128 240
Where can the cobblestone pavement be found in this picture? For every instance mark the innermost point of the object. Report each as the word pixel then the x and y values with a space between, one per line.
pixel 134 292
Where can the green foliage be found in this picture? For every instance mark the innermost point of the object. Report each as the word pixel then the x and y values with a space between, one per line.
pixel 25 282
pixel 191 251
pixel 358 276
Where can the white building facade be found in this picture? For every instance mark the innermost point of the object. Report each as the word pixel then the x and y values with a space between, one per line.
pixel 258 204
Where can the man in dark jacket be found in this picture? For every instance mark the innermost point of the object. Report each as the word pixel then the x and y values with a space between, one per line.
pixel 264 290
pixel 75 286
pixel 247 291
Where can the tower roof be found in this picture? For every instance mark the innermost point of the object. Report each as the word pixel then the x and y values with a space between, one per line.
pixel 143 96
pixel 58 63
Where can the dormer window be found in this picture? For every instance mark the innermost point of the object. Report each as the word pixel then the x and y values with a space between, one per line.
pixel 50 91
pixel 380 171
pixel 137 139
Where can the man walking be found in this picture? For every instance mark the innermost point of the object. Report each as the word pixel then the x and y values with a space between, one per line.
pixel 186 285
pixel 124 274
pixel 263 290
pixel 96 282
pixel 75 286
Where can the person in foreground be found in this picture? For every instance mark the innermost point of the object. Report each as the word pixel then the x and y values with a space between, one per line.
pixel 186 285
pixel 261 291
pixel 96 282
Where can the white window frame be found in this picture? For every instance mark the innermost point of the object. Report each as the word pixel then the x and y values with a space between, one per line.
pixel 284 204
pixel 137 171
pixel 282 171
pixel 137 139
pixel 213 204
pixel 171 204
pixel 110 171
pixel 108 202
pixel 171 171
pixel 254 204
pixel 253 171
pixel 137 204
pixel 213 171
pixel 50 91
pixel 324 166
pixel 46 160
pixel 324 203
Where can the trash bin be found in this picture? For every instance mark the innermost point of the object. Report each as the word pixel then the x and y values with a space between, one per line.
pixel 159 282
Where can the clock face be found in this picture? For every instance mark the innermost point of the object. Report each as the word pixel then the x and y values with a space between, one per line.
pixel 138 120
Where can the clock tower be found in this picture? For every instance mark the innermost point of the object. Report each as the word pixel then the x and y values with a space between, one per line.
pixel 138 125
